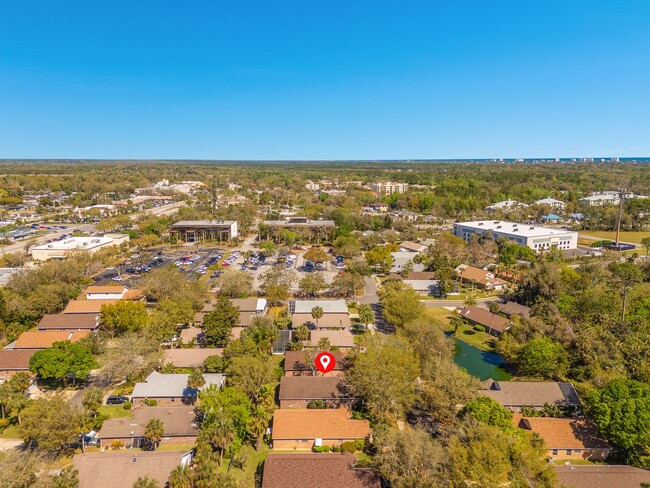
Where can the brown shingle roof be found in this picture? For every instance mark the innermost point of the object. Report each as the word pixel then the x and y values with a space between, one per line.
pixel 531 393
pixel 565 433
pixel 189 358
pixel 340 338
pixel 33 339
pixel 311 387
pixel 15 359
pixel 513 308
pixel 315 470
pixel 485 318
pixel 318 424
pixel 68 321
pixel 113 469
pixel 295 361
pixel 87 306
pixel 178 421
pixel 601 476
pixel 470 273
pixel 192 333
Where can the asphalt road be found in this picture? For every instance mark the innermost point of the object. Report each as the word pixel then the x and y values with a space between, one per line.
pixel 452 303
pixel 370 296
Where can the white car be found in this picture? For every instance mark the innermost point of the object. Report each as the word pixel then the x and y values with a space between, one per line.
pixel 117 278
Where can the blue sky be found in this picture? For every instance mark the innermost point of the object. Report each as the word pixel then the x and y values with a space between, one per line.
pixel 322 79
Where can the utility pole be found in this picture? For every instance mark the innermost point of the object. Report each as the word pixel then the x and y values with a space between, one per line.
pixel 621 198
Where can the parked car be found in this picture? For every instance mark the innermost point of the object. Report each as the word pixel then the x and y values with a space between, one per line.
pixel 116 400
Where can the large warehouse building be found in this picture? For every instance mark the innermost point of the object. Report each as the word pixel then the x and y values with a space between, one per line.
pixel 536 237
pixel 201 230
pixel 62 249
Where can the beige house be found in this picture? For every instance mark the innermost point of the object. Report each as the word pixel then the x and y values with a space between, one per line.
pixel 335 313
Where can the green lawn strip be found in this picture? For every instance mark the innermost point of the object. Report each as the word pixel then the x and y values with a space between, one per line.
pixel 115 412
pixel 634 237
pixel 482 340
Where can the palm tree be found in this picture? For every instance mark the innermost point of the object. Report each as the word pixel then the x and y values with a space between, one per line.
pixel 154 432
pixel 317 313
pixel 195 379
pixel 221 433
pixel 181 477
pixel 470 299
pixel 259 421
pixel 146 482
pixel 366 315
pixel 301 333
pixel 324 344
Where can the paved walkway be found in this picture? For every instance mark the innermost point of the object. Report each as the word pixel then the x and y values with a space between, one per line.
pixel 6 444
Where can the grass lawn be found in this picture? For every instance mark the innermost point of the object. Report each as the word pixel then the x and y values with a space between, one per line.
pixel 11 432
pixel 115 412
pixel 482 340
pixel 624 236
pixel 438 314
pixel 246 475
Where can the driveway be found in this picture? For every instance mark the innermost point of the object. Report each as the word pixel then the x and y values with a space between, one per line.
pixel 370 296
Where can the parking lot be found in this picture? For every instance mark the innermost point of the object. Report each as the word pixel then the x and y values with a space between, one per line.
pixel 196 263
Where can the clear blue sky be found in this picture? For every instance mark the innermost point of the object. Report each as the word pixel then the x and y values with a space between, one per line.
pixel 326 79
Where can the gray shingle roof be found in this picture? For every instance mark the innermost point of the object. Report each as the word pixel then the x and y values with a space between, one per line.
pixel 158 385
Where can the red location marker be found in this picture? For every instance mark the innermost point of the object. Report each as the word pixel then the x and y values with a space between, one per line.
pixel 325 362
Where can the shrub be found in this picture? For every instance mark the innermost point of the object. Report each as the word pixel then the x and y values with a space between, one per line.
pixel 126 405
pixel 479 328
pixel 336 448
pixel 317 404
pixel 149 402
pixel 321 449
pixel 360 444
pixel 4 423
pixel 115 445
pixel 349 446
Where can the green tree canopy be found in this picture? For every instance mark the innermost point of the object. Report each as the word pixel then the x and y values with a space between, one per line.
pixel 218 324
pixel 400 302
pixel 384 376
pixel 622 412
pixel 124 316
pixel 541 357
pixel 62 362
pixel 50 425
pixel 489 411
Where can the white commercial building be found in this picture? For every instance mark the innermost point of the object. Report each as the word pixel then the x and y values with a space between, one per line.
pixel 62 249
pixel 552 202
pixel 505 205
pixel 536 237
pixel 390 187
pixel 607 198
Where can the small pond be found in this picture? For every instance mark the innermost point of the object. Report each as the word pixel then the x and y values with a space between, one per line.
pixel 479 363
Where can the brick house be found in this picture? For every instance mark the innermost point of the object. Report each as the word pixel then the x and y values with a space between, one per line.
pixel 565 438
pixel 300 429
pixel 298 391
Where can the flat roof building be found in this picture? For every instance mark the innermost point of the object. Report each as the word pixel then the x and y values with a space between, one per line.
pixel 201 230
pixel 299 222
pixel 62 249
pixel 538 238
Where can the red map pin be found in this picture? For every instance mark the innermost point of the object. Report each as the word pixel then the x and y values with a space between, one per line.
pixel 325 362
